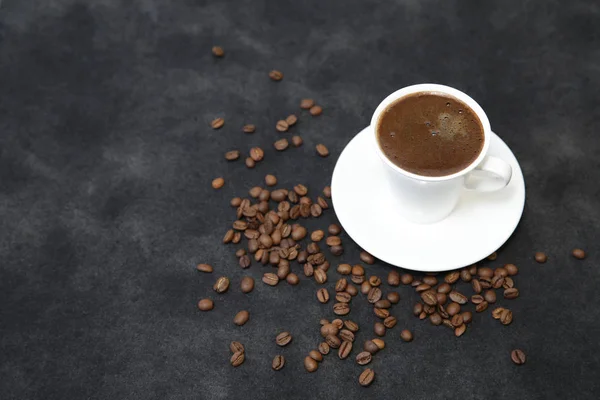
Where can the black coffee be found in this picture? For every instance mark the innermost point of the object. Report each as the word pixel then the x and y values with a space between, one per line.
pixel 430 134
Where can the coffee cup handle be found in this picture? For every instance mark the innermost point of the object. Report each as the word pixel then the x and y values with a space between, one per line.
pixel 490 175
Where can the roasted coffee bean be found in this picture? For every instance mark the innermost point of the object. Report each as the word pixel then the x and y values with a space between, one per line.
pixel 250 163
pixel 283 339
pixel 363 358
pixel 460 330
pixel 511 293
pixel 381 313
pixel 435 319
pixel 497 312
pixel 316 110
pixel 374 295
pixel 323 295
pixel 302 256
pixel 218 183
pixel 441 298
pixel 316 235
pixel 221 285
pixel 540 257
pixel 418 309
pixel 578 254
pixel 313 248
pixel 333 241
pixel 508 283
pixel 315 355
pixel 347 335
pixel 276 75
pixel 374 281
pixel 341 308
pixel 270 180
pixel 457 320
pixel 204 268
pixel 329 329
pixel 323 348
pixel 270 279
pixel 324 266
pixel 240 225
pixel 367 258
pixel 291 119
pixel 217 123
pixel 334 229
pixel 518 357
pixel 406 279
pixel 322 203
pixel 442 311
pixel 423 287
pixel 235 202
pixel 232 155
pixel 279 195
pixel 429 309
pixel 393 278
pixel 490 296
pixel 444 288
pixel 247 284
pixel 282 126
pixel 359 279
pixel 241 318
pixel 218 51
pixel 336 250
pixel 333 341
pixel 367 377
pixel 307 103
pixel 506 317
pixel 281 144
pixel 278 362
pixel 351 325
pixel 476 286
pixel 299 233
pixel 257 154
pixel 406 335
pixel 430 298
pixel 254 193
pixel 452 277
pixel 393 297
pixel 453 309
pixel 297 141
pixel 308 270
pixel 379 343
pixel 324 321
pixel 467 317
pixel 473 269
pixel 310 364
pixel 320 276
pixel 274 258
pixel 249 128
pixel 485 272
pixel 365 287
pixel 351 290
pixel 344 269
pixel 283 270
pixel 477 299
pixel 235 347
pixel 292 279
pixel 370 347
pixel 237 358
pixel 383 303
pixel 316 210
pixel 511 269
pixel 458 297
pixel 500 271
pixel 379 329
pixel 493 256
pixel 344 350
pixel 205 305
pixel 497 281
pixel 430 280
pixel 416 283
pixel 265 241
pixel 447 323
pixel 338 323
pixel 481 306
pixel 390 322
pixel 465 275
pixel 423 315
pixel 240 252
pixel 341 285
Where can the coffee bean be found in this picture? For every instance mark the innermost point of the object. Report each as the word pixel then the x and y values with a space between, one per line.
pixel 467 317
pixel 365 287
pixel 247 284
pixel 444 288
pixel 205 305
pixel 204 268
pixel 453 309
pixel 250 163
pixel 235 347
pixel 257 154
pixel 334 229
pixel 458 297
pixel 323 348
pixel 493 256
pixel 240 252
pixel 366 377
pixel 217 123
pixel 329 329
pixel 278 362
pixel 297 141
pixel 315 355
pixel 344 350
pixel 406 335
pixel 338 323
pixel 241 318
pixel 333 241
pixel 477 299
pixel 497 312
pixel 423 287
pixel 511 269
pixel 435 319
pixel 313 248
pixel 473 269
pixel 374 281
pixel 442 311
pixel 452 277
pixel 481 306
pixel 476 286
pixel 344 269
pixel 317 235
pixel 343 297
pixel 429 297
pixel 518 357
pixel 497 281
pixel 578 254
pixel 430 280
pixel 416 283
pixel 249 128
pixel 237 358
pixel 358 270
pixel 298 233
pixel 310 364
pixel 281 144
pixel 390 322
pixel 282 126
pixel 283 339
pixel 320 276
pixel 341 308
pixel 333 341
pixel 393 297
pixel 218 51
pixel 270 279
pixel 508 283
pixel 316 210
pixel 506 317
pixel 291 120
pixel 274 258
pixel 460 330
pixel 370 347
pixel 270 180
pixel 485 272
pixel 218 183
pixel 305 104
pixel 374 295
pixel 540 257
pixel 232 155
pixel 379 343
pixel 363 358
pixel 308 270
pixel 367 258
pixel 381 313
pixel 221 285
pixel 235 202
pixel 336 250
pixel 457 320
pixel 418 309
pixel 351 290
pixel 323 295
pixel 511 293
pixel 490 296
pixel 347 335
pixel 406 279
pixel 276 75
pixel 429 309
pixel 465 275
pixel 379 329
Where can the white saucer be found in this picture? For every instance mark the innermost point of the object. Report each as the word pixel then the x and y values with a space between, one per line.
pixel 479 225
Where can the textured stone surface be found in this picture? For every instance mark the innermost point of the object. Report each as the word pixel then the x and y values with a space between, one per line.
pixel 106 205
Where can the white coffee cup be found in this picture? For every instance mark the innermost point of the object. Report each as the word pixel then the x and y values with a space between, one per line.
pixel 428 199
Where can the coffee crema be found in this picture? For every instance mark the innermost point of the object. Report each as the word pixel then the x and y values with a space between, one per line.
pixel 430 134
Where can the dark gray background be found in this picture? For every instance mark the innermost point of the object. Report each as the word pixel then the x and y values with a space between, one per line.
pixel 106 206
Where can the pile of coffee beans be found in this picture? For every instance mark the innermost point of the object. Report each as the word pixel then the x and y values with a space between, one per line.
pixel 269 224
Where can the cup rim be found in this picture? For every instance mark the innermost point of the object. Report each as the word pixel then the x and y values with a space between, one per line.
pixel 446 90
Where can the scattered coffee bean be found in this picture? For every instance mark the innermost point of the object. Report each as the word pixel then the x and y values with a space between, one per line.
pixel 221 285
pixel 329 329
pixel 485 272
pixel 344 269
pixel 244 261
pixel 393 297
pixel 270 279
pixel 278 362
pixel 423 287
pixel 458 297
pixel 247 284
pixel 367 377
pixel 511 293
pixel 323 295
pixel 282 126
pixel 347 335
pixel 406 335
pixel 316 110
pixel 218 183
pixel 379 343
pixel 249 128
pixel 511 269
pixel 240 252
pixel 333 341
pixel 363 358
pixel 381 313
pixel 205 305
pixel 310 364
pixel 460 330
pixel 453 309
pixel 497 281
pixel 315 355
pixel 477 299
pixel 367 258
pixel 365 287
pixel 435 319
pixel 217 123
pixel 383 303
pixel 235 202
pixel 341 285
pixel 578 254
pixel 429 297
pixel 236 347
pixel 481 306
pixel 379 329
pixel 241 318
pixel 283 339
pixel 476 286
pixel 204 268
pixel 352 290
pixel 308 270
pixel 406 279
pixel 297 141
pixel 390 322
pixel 351 325
pixel 344 350
pixel 506 317
pixel 457 320
pixel 237 358
pixel 452 277
pixel 317 235
pixel 490 296
pixel 541 257
pixel 370 347
pixel 316 210
pixel 518 357
pixel 218 51
pixel 430 280
pixel 232 155
pixel 343 297
pixel 341 308
pixel 323 348
pixel 281 144
pixel 276 75
pixel 374 295
pixel 417 309
pixel 257 154
pixel 333 241
pixel 393 278
pixel 338 323
pixel 270 180
pixel 467 317
pixel 465 275
pixel 374 281
pixel 320 276
pixel 493 256
pixel 292 279
pixel 322 150
pixel 250 163
pixel 306 104
pixel 334 229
